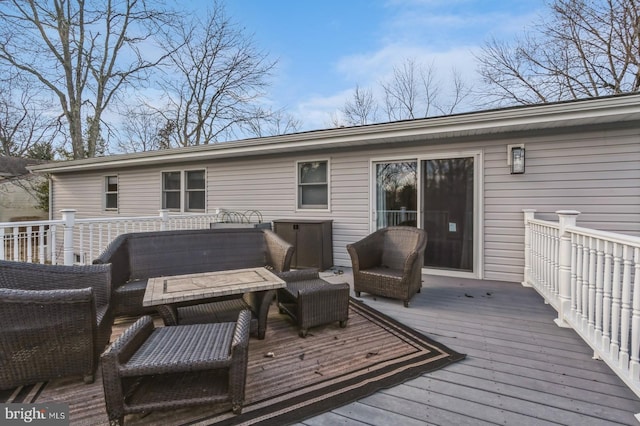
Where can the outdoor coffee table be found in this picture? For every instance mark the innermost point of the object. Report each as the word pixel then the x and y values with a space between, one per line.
pixel 179 289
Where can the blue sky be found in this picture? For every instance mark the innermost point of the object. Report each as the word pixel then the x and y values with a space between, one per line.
pixel 325 48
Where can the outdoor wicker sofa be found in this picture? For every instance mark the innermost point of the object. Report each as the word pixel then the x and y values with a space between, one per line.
pixel 136 257
pixel 55 321
pixel 149 368
pixel 311 301
pixel 389 262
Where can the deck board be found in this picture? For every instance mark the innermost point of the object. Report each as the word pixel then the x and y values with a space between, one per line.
pixel 521 368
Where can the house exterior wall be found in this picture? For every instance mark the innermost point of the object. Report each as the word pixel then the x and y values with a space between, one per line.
pixel 17 201
pixel 594 172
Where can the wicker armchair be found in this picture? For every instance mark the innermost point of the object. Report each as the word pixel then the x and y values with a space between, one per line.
pixel 56 320
pixel 389 262
pixel 164 368
pixel 223 311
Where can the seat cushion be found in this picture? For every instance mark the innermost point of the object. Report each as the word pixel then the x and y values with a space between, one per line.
pixel 221 311
pixel 381 271
pixel 182 348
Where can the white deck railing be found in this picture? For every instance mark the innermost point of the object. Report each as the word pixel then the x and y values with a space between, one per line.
pixel 71 240
pixel 592 279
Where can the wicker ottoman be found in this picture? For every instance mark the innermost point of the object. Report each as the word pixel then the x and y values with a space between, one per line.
pixel 313 301
pixel 164 368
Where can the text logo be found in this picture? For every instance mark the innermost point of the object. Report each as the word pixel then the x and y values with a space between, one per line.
pixel 35 414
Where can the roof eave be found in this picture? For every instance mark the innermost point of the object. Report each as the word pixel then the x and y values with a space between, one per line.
pixel 548 116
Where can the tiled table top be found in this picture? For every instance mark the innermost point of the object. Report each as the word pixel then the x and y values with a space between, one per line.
pixel 181 288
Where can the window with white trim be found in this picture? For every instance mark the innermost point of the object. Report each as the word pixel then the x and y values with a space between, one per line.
pixel 194 190
pixel 313 184
pixel 111 192
pixel 184 190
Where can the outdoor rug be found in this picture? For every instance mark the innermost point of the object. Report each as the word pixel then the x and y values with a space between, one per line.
pixel 289 378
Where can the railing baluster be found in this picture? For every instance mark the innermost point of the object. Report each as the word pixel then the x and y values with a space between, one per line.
pixel 91 252
pixel 615 304
pixel 42 258
pixel 16 243
pixel 585 283
pixel 592 287
pixel 625 320
pixel 81 243
pixel 599 290
pixel 3 241
pixel 555 256
pixel 574 276
pixel 29 244
pixel 634 364
pixel 579 277
pixel 606 299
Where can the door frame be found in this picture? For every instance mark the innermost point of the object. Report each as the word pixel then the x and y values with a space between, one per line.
pixel 478 203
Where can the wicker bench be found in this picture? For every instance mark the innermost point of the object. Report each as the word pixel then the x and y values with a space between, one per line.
pixel 165 368
pixel 311 301
pixel 136 257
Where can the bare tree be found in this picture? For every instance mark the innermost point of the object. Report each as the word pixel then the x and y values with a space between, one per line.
pixel 271 123
pixel 140 130
pixel 24 122
pixel 361 109
pixel 587 48
pixel 412 91
pixel 216 77
pixel 84 52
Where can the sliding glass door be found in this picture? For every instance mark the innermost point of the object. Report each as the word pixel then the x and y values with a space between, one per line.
pixel 436 194
pixel 396 195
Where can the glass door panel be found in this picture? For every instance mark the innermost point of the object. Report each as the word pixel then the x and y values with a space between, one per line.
pixel 448 199
pixel 396 194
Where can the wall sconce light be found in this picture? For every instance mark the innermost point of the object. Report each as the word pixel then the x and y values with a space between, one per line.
pixel 515 158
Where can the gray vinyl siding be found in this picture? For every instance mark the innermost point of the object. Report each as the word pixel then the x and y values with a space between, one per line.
pixel 595 172
pixel 82 192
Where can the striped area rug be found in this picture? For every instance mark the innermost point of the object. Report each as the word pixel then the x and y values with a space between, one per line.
pixel 289 378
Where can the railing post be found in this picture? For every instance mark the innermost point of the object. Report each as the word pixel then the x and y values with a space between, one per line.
pixel 529 214
pixel 164 219
pixel 566 218
pixel 69 217
pixel 2 243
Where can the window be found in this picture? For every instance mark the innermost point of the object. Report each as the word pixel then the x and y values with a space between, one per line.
pixel 111 192
pixel 171 190
pixel 313 185
pixel 193 190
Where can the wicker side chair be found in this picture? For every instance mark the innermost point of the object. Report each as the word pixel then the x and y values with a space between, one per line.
pixel 56 321
pixel 257 303
pixel 165 368
pixel 389 262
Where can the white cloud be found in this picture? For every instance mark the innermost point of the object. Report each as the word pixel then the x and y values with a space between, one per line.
pixel 442 33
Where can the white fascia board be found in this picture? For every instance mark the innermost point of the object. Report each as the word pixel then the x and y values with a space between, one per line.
pixel 592 111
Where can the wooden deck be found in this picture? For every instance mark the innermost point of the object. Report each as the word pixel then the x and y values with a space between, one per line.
pixel 521 369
